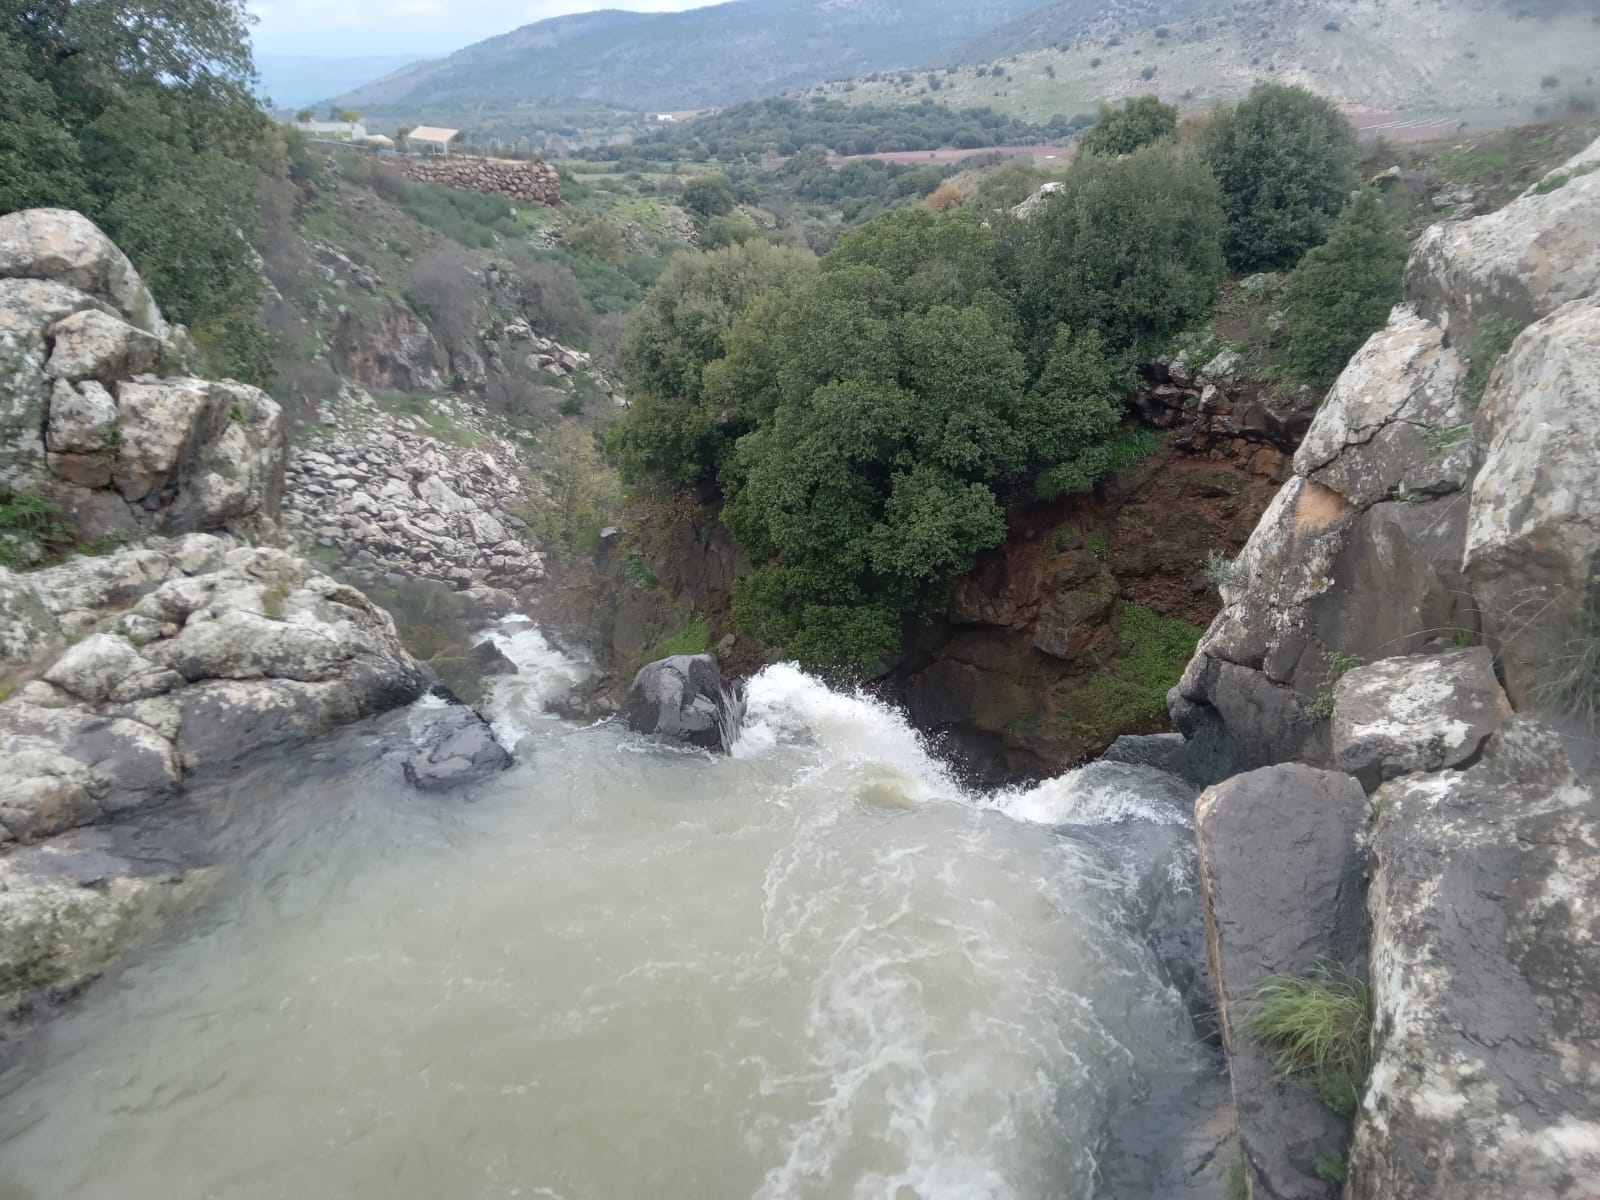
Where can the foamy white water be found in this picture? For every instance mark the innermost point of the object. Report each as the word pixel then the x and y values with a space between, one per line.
pixel 814 969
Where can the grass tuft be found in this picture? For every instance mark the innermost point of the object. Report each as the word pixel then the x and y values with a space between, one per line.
pixel 1569 683
pixel 1339 665
pixel 1490 342
pixel 1317 1027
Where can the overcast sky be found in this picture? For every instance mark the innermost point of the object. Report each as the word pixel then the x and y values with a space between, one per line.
pixel 421 27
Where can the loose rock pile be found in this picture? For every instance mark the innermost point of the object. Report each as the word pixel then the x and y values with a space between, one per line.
pixel 392 502
pixel 525 182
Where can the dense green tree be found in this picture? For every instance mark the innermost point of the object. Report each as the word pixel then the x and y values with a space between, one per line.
pixel 1342 291
pixel 679 329
pixel 1130 248
pixel 892 411
pixel 1285 159
pixel 1141 121
pixel 708 195
pixel 141 115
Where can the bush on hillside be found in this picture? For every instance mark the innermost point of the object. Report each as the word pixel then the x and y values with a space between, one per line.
pixel 729 230
pixel 1141 121
pixel 1342 291
pixel 443 289
pixel 1285 159
pixel 681 327
pixel 708 195
pixel 1131 248
pixel 549 296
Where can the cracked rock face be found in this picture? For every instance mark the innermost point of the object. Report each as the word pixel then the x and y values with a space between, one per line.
pixel 1485 982
pixel 1425 713
pixel 93 416
pixel 212 651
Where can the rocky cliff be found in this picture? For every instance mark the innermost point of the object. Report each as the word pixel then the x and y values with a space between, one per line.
pixel 185 642
pixel 1406 659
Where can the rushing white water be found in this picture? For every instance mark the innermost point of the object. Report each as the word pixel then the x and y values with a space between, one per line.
pixel 813 969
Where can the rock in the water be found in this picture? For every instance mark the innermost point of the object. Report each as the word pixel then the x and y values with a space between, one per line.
pixel 455 747
pixel 491 660
pixel 1423 713
pixel 682 698
pixel 1485 975
pixel 1280 876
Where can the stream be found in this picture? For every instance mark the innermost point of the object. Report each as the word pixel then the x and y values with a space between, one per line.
pixel 817 969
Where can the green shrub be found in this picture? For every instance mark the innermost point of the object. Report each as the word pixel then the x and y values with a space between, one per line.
pixel 1342 291
pixel 1131 247
pixel 471 218
pixel 1130 695
pixel 693 638
pixel 1285 159
pixel 1141 121
pixel 31 529
pixel 1318 1029
pixel 1338 665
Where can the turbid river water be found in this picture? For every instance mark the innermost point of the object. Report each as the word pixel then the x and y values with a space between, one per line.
pixel 817 968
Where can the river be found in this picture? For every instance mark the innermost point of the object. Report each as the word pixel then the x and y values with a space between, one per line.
pixel 817 968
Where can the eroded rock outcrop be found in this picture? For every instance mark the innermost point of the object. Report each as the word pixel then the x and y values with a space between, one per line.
pixel 1418 523
pixel 179 653
pixel 96 414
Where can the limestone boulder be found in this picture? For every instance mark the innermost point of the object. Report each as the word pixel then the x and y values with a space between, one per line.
pixel 28 307
pixel 1394 421
pixel 1533 534
pixel 62 245
pixel 682 699
pixel 1485 982
pixel 1421 713
pixel 1520 263
pixel 91 344
pixel 1281 892
pixel 28 629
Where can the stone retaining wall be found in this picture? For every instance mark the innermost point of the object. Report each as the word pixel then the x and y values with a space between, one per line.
pixel 526 182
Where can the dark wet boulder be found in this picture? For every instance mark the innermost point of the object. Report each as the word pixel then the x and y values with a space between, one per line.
pixel 491 660
pixel 683 699
pixel 454 747
pixel 1281 891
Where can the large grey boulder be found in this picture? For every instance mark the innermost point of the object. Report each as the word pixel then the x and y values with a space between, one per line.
pixel 682 699
pixel 180 657
pixel 59 244
pixel 1423 713
pixel 1533 534
pixel 454 747
pixel 1521 263
pixel 87 420
pixel 1281 888
pixel 1485 970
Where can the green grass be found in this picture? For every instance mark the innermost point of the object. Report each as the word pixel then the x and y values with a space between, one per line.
pixel 1570 682
pixel 1558 181
pixel 1339 665
pixel 1331 1169
pixel 1440 438
pixel 693 638
pixel 25 520
pixel 1234 1184
pixel 1317 1028
pixel 1490 341
pixel 1130 695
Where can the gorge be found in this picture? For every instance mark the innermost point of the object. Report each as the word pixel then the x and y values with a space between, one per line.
pixel 400 799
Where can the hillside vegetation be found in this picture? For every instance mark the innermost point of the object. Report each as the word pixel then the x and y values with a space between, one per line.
pixel 1415 56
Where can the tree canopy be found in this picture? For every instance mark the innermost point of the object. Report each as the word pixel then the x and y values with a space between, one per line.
pixel 1342 291
pixel 142 117
pixel 1141 121
pixel 1285 159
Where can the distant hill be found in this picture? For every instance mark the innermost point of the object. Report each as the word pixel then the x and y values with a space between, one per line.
pixel 666 62
pixel 295 80
pixel 1466 58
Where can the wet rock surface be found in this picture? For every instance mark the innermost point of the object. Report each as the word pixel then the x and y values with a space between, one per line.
pixel 1281 881
pixel 681 699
